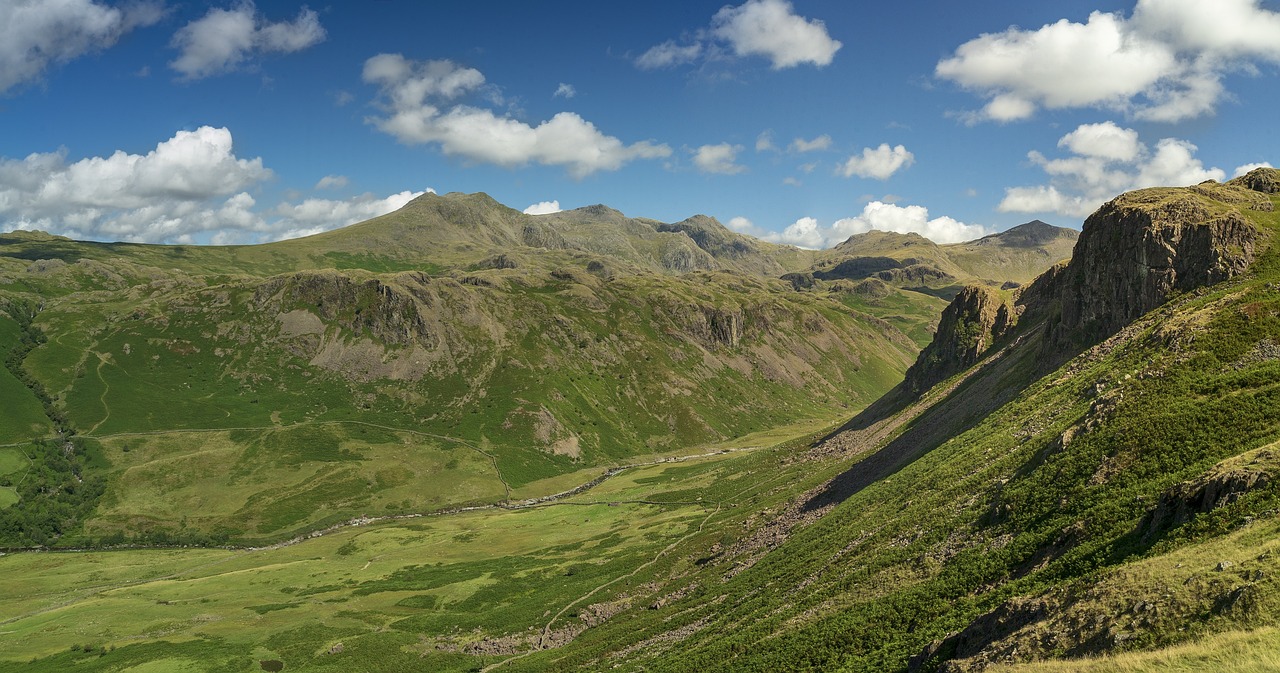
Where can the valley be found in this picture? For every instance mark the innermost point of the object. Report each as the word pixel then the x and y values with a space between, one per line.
pixel 650 468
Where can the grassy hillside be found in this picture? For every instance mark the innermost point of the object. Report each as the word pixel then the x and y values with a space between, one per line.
pixel 424 467
pixel 443 355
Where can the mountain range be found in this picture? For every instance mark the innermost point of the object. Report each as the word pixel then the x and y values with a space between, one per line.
pixel 460 437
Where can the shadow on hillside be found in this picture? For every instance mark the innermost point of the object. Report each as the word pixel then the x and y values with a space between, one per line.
pixel 998 381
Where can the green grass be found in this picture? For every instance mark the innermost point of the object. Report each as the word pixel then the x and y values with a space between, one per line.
pixel 1255 651
pixel 13 462
pixel 272 483
pixel 447 579
pixel 23 417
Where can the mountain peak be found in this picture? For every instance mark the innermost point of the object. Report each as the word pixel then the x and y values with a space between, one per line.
pixel 1028 234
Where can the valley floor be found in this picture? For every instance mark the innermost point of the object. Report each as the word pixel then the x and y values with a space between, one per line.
pixel 436 590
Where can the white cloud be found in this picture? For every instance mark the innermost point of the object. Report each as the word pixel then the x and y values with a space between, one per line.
pixel 1163 64
pixel 801 145
pixel 764 142
pixel 807 232
pixel 721 158
pixel 794 182
pixel 191 187
pixel 803 233
pixel 223 39
pixel 1105 160
pixel 770 28
pixel 744 226
pixel 906 220
pixel 667 55
pixel 1103 141
pixel 565 91
pixel 767 28
pixel 419 98
pixel 543 208
pixel 878 163
pixel 1241 170
pixel 313 216
pixel 332 182
pixel 36 34
pixel 1229 28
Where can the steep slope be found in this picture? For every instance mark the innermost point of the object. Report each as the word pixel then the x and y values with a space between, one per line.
pixel 1073 484
pixel 1099 476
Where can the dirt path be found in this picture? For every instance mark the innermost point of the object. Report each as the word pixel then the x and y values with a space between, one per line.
pixel 106 388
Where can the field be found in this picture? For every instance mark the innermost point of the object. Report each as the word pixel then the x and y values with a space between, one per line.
pixel 418 592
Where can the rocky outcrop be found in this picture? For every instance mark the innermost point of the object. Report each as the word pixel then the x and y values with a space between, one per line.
pixel 1221 486
pixel 909 271
pixel 708 234
pixel 975 319
pixel 1265 180
pixel 1135 252
pixel 387 314
pixel 1139 249
pixel 684 256
pixel 915 274
pixel 980 635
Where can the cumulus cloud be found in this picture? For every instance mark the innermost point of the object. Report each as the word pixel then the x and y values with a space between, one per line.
pixel 907 220
pixel 1105 160
pixel 807 232
pixel 721 158
pixel 332 182
pixel 313 216
pixel 1165 63
pixel 744 226
pixel 1241 170
pixel 36 35
pixel 190 187
pixel 766 28
pixel 543 208
pixel 800 145
pixel 223 39
pixel 565 91
pixel 421 104
pixel 1103 141
pixel 771 28
pixel 878 163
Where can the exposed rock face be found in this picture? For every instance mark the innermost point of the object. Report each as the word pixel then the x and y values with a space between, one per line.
pixel 975 319
pixel 981 634
pixel 1265 180
pixel 710 236
pixel 1139 249
pixel 909 271
pixel 1135 252
pixel 362 306
pixel 1220 487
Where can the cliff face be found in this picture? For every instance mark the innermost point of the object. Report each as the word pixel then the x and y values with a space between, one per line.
pixel 1139 249
pixel 975 319
pixel 1134 253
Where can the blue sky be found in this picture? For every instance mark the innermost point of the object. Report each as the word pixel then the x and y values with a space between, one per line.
pixel 800 122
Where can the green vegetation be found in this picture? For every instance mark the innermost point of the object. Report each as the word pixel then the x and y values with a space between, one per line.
pixel 368 431
pixel 1232 652
pixel 416 592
